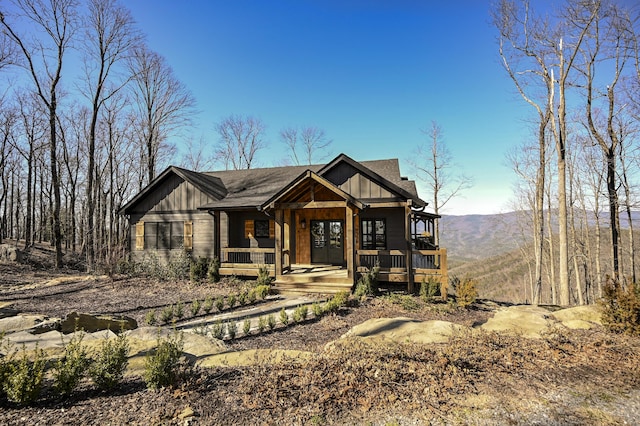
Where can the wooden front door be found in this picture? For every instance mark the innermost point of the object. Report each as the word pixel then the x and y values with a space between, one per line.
pixel 327 242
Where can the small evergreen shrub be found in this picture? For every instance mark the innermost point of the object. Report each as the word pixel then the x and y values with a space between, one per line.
pixel 246 326
pixel 367 285
pixel 264 277
pixel 262 291
pixel 198 270
pixel 621 307
pixel 207 306
pixel 213 271
pixel 316 308
pixel 23 379
pixel 242 297
pixel 110 363
pixel 219 303
pixel 217 330
pixel 161 367
pixel 251 296
pixel 150 317
pixel 195 307
pixel 336 302
pixel 70 369
pixel 262 324
pixel 271 322
pixel 231 300
pixel 166 315
pixel 429 289
pixel 284 318
pixel 179 311
pixel 179 266
pixel 232 329
pixel 466 293
pixel 300 313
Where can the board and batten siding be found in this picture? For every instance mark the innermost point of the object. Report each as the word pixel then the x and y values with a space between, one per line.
pixel 202 228
pixel 175 195
pixel 357 185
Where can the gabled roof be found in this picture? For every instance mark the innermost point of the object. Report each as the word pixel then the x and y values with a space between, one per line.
pixel 210 185
pixel 305 178
pixel 255 188
pixel 388 167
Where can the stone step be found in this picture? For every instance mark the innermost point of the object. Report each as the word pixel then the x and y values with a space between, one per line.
pixel 310 287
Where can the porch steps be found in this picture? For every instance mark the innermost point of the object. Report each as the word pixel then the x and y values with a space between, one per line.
pixel 313 279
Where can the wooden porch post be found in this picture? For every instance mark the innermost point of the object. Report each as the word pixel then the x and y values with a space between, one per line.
pixel 216 235
pixel 278 241
pixel 409 256
pixel 287 240
pixel 349 242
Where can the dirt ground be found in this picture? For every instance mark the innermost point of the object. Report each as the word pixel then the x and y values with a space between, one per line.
pixel 570 377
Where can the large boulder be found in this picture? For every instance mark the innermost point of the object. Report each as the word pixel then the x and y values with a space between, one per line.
pixel 10 253
pixel 402 329
pixel 580 317
pixel 91 323
pixel 524 320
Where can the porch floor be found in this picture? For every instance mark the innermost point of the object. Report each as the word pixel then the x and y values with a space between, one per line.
pixel 325 279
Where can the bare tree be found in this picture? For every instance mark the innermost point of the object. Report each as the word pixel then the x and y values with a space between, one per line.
pixel 308 142
pixel 196 156
pixel 163 104
pixel 434 166
pixel 110 37
pixel 240 140
pixel 56 19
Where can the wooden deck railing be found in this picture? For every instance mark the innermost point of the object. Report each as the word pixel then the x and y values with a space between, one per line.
pixel 397 259
pixel 255 256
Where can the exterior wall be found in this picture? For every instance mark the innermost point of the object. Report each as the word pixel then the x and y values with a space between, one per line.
pixel 352 182
pixel 175 195
pixel 235 230
pixel 203 234
pixel 395 220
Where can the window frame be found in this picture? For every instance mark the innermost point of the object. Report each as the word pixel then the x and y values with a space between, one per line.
pixel 371 238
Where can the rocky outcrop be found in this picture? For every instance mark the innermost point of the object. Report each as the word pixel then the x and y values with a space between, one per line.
pixel 9 253
pixel 92 323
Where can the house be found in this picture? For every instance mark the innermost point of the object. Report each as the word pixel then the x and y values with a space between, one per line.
pixel 315 227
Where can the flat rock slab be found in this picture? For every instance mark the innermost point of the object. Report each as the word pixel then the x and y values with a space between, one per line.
pixel 255 357
pixel 92 323
pixel 402 329
pixel 20 322
pixel 591 314
pixel 524 320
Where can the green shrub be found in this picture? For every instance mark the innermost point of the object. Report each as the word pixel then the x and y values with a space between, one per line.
pixel 110 363
pixel 70 369
pixel 466 292
pixel 336 302
pixel 271 322
pixel 179 311
pixel 232 329
pixel 161 367
pixel 219 303
pixel 429 289
pixel 217 330
pixel 213 271
pixel 231 300
pixel 246 326
pixel 195 307
pixel 179 265
pixel 367 285
pixel 23 379
pixel 242 297
pixel 300 313
pixel 251 296
pixel 198 270
pixel 262 324
pixel 316 308
pixel 621 307
pixel 150 317
pixel 207 306
pixel 166 315
pixel 264 277
pixel 284 318
pixel 262 291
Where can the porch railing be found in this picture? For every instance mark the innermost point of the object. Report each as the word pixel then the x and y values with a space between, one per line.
pixel 256 256
pixel 397 259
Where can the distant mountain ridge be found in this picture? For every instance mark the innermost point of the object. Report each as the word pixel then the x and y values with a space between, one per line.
pixel 473 237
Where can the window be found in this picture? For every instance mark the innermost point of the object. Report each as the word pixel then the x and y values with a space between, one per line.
pixel 261 228
pixel 374 234
pixel 163 235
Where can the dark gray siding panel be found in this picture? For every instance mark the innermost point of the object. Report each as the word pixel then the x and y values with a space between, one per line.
pixel 236 230
pixel 357 185
pixel 395 219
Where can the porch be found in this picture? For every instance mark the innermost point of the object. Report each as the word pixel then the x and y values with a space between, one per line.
pixel 425 264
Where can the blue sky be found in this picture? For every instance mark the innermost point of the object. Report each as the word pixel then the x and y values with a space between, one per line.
pixel 372 74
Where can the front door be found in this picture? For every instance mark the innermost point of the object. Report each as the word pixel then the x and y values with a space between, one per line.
pixel 327 242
